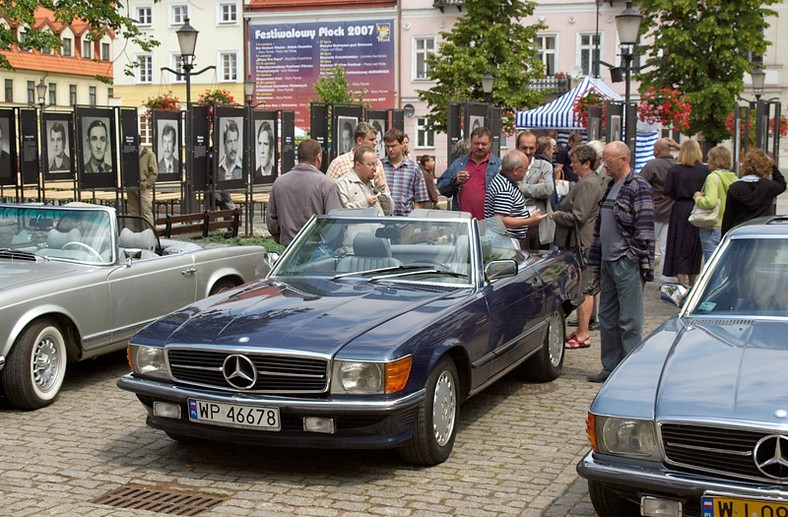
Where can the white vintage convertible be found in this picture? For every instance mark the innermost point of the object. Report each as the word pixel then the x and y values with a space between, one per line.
pixel 76 282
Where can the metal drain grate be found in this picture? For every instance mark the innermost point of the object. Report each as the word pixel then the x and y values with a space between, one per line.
pixel 175 502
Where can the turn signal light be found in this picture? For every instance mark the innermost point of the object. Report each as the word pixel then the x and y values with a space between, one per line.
pixel 397 374
pixel 591 431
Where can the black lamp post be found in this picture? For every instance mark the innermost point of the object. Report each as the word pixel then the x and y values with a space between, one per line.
pixel 249 90
pixel 41 93
pixel 488 81
pixel 758 82
pixel 628 27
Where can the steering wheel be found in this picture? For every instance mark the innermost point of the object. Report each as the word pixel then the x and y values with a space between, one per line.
pixel 85 247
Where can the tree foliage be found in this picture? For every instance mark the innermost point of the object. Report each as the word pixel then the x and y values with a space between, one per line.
pixel 333 88
pixel 704 48
pixel 489 38
pixel 102 17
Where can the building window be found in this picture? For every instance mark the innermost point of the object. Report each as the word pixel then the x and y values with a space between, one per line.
pixel 175 64
pixel 425 138
pixel 228 12
pixel 422 48
pixel 590 47
pixel 66 49
pixel 178 14
pixel 144 16
pixel 31 92
pixel 144 68
pixel 105 52
pixel 9 90
pixel 92 96
pixel 546 50
pixel 144 125
pixel 22 37
pixel 229 61
pixel 110 93
pixel 72 94
pixel 87 49
pixel 52 94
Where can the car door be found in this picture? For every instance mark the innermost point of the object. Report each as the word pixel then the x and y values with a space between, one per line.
pixel 149 288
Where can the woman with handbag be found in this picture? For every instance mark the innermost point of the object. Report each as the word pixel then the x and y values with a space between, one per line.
pixel 753 194
pixel 575 229
pixel 683 254
pixel 712 198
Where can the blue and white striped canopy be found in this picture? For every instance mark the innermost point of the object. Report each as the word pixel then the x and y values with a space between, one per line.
pixel 558 114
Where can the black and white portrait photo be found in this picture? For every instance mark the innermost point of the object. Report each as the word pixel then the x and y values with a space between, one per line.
pixel 6 176
pixel 230 143
pixel 475 121
pixel 97 147
pixel 168 147
pixel 380 127
pixel 344 134
pixel 58 147
pixel 265 146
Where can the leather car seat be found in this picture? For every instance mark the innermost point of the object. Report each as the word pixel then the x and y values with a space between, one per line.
pixel 369 252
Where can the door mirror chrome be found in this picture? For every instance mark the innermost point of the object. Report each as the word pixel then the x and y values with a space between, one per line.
pixel 500 269
pixel 673 293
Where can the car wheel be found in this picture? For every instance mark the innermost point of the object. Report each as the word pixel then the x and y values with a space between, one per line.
pixel 547 363
pixel 609 504
pixel 225 284
pixel 436 420
pixel 36 366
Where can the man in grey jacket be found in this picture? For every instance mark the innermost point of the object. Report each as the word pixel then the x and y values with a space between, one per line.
pixel 537 187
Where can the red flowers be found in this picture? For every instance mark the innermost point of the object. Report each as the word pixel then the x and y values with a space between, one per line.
pixel 581 105
pixel 665 106
pixel 783 127
pixel 168 101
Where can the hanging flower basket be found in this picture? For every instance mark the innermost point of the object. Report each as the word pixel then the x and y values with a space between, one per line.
pixel 750 135
pixel 665 106
pixel 167 101
pixel 581 105
pixel 215 98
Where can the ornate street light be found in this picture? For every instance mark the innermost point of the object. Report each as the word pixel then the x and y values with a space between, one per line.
pixel 758 81
pixel 488 81
pixel 628 27
pixel 41 93
pixel 249 90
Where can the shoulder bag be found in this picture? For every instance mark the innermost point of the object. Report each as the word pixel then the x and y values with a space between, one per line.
pixel 705 218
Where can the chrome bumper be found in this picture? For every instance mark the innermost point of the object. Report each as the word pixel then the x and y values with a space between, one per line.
pixel 644 481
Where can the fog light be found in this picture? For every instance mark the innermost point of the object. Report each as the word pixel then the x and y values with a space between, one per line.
pixel 167 410
pixel 316 424
pixel 657 507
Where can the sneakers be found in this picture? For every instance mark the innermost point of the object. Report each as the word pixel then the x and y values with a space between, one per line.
pixel 599 377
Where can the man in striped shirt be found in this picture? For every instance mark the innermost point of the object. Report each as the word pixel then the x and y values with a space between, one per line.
pixel 504 199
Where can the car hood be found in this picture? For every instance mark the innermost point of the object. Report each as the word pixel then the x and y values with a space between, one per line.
pixel 310 315
pixel 725 369
pixel 19 273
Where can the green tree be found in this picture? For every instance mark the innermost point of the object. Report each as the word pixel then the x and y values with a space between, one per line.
pixel 489 38
pixel 333 88
pixel 102 16
pixel 704 53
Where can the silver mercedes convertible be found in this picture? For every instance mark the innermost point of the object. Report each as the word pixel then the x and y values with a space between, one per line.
pixel 77 281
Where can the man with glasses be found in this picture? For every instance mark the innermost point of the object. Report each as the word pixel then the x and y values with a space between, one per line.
pixel 622 257
pixel 359 189
pixel 408 190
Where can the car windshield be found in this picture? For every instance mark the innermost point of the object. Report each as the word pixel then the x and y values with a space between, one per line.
pixel 750 278
pixel 59 233
pixel 382 249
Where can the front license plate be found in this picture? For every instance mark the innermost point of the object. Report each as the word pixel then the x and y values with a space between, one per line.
pixel 730 507
pixel 234 415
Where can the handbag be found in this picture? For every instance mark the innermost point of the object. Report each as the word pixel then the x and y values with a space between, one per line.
pixel 705 218
pixel 561 187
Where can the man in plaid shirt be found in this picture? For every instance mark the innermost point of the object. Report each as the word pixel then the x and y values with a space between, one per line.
pixel 404 176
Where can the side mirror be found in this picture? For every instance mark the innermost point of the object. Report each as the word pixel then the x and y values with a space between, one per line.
pixel 270 258
pixel 673 293
pixel 496 269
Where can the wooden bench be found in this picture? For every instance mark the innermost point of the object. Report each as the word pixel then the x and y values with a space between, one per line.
pixel 200 224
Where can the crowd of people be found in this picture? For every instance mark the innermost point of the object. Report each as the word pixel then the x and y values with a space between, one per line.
pixel 583 197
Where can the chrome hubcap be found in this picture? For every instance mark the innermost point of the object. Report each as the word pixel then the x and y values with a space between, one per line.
pixel 555 343
pixel 444 408
pixel 46 363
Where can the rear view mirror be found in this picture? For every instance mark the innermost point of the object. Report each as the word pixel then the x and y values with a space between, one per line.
pixel 500 269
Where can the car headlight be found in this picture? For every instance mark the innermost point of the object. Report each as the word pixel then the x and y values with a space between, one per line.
pixel 367 378
pixel 624 437
pixel 149 361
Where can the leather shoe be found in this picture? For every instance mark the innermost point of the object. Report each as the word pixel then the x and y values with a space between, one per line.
pixel 599 377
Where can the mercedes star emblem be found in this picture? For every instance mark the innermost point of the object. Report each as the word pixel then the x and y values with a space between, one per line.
pixel 771 456
pixel 239 372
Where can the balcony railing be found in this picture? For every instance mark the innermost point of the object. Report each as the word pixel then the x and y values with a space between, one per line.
pixel 440 4
pixel 559 85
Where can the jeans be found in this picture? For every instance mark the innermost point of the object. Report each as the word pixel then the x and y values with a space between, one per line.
pixel 709 238
pixel 620 310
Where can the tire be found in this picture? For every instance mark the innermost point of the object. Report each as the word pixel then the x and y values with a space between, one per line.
pixel 436 420
pixel 609 504
pixel 36 366
pixel 224 284
pixel 546 365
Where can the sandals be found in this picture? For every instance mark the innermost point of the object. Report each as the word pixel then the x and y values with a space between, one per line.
pixel 573 342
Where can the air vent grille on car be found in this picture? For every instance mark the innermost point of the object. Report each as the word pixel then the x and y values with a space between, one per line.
pixel 275 374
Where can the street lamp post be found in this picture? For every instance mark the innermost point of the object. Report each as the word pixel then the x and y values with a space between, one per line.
pixel 628 27
pixel 758 76
pixel 187 41
pixel 488 81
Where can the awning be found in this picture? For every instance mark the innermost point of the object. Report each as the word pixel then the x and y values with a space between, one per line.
pixel 558 113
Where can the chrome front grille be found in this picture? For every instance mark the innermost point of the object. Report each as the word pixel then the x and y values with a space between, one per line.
pixel 276 374
pixel 724 451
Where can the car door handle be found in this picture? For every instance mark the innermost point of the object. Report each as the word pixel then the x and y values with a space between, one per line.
pixel 189 272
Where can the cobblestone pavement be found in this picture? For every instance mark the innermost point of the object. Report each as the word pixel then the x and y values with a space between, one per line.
pixel 515 454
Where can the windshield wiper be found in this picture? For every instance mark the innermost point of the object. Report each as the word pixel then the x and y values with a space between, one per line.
pixel 366 272
pixel 417 270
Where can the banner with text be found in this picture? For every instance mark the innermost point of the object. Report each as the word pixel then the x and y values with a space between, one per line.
pixel 287 59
